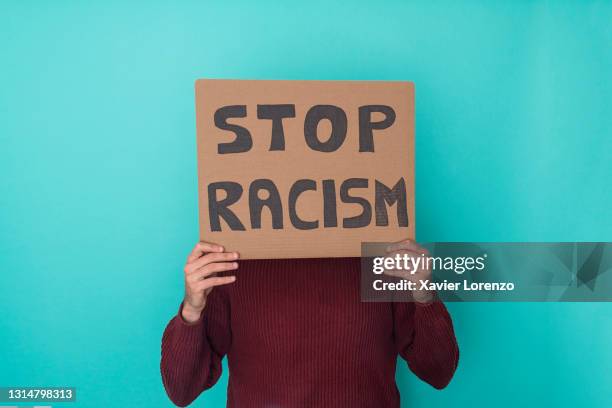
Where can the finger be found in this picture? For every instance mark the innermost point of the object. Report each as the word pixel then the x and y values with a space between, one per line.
pixel 203 247
pixel 409 261
pixel 395 272
pixel 405 244
pixel 408 253
pixel 216 281
pixel 212 269
pixel 211 258
pixel 408 245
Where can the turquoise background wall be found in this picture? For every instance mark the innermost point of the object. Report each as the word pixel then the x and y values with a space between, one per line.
pixel 98 192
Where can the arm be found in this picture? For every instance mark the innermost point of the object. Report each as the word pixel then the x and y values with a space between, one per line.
pixel 423 329
pixel 198 337
pixel 191 353
pixel 425 338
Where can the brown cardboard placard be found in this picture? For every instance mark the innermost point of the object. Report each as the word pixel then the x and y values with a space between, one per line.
pixel 288 169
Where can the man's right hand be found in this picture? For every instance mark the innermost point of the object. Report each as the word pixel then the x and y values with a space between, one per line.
pixel 203 264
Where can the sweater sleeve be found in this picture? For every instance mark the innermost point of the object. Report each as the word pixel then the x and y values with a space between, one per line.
pixel 425 338
pixel 191 353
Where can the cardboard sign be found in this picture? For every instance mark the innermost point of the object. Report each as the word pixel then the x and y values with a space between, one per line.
pixel 301 169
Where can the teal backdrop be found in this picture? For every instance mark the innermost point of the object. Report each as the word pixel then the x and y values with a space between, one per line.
pixel 98 194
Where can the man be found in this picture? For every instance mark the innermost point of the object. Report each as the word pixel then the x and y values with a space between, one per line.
pixel 297 335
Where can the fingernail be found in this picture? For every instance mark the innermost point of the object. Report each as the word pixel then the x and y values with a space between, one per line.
pixel 235 265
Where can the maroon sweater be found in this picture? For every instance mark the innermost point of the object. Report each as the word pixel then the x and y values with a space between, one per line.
pixel 297 335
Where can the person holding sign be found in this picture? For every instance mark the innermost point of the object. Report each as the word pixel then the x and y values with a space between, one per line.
pixel 293 175
pixel 297 335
